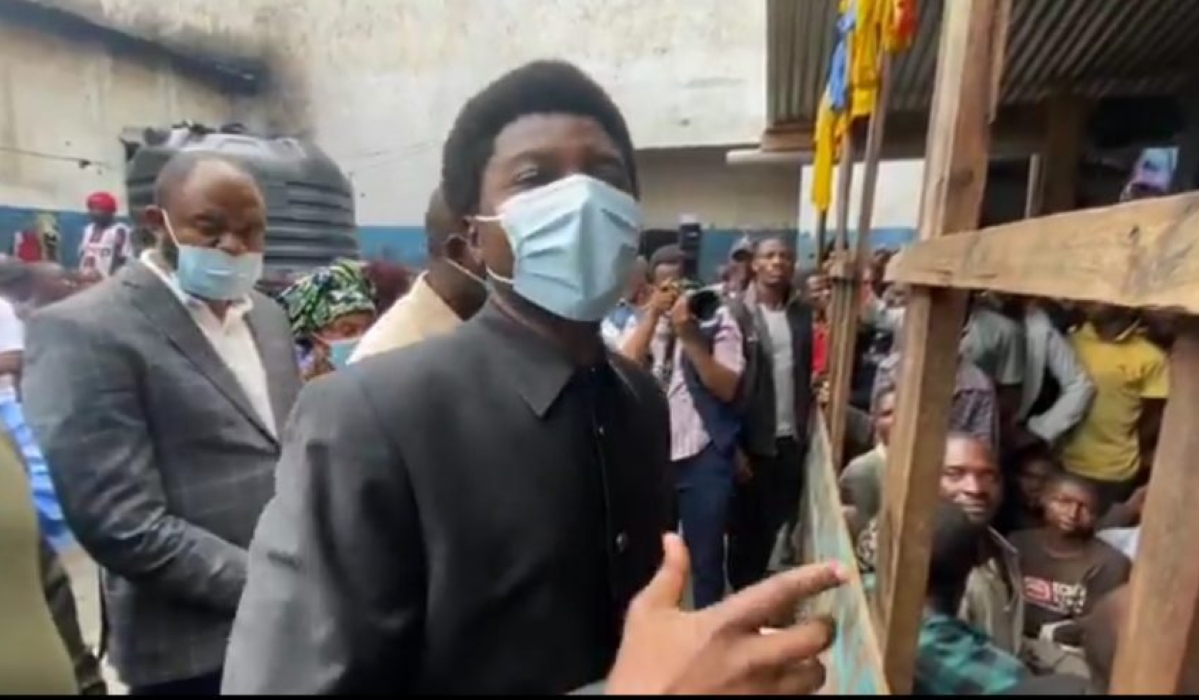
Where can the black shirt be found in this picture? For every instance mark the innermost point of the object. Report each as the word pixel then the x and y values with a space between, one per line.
pixel 469 515
pixel 1059 588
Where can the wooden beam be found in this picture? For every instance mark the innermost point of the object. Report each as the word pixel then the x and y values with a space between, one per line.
pixel 1065 132
pixel 1019 131
pixel 1156 648
pixel 954 182
pixel 1139 254
pixel 839 319
pixel 847 277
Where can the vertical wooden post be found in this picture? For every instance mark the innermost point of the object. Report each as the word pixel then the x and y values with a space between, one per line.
pixel 821 238
pixel 847 277
pixel 1035 196
pixel 1065 134
pixel 1157 646
pixel 838 302
pixel 972 36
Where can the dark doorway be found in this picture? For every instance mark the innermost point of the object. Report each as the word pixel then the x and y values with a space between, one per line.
pixel 655 238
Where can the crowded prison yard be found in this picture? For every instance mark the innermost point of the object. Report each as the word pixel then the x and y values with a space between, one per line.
pixel 567 449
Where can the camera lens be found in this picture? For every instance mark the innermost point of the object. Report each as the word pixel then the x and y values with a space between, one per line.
pixel 703 304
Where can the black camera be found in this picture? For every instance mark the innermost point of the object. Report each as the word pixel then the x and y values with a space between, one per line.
pixel 703 302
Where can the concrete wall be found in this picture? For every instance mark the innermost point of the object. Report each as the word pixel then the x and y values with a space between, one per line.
pixel 377 83
pixel 63 105
pixel 698 181
pixel 382 81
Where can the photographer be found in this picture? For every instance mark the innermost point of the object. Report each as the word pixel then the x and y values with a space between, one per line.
pixel 694 347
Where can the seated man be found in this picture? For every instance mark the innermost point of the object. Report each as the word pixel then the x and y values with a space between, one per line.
pixel 994 599
pixel 1066 567
pixel 1024 507
pixel 952 656
pixel 862 481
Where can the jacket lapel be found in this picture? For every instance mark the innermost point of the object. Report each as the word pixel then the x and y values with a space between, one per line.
pixel 165 311
pixel 278 359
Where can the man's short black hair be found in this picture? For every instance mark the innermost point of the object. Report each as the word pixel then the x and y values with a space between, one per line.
pixel 787 241
pixel 1059 477
pixel 541 87
pixel 176 171
pixel 666 255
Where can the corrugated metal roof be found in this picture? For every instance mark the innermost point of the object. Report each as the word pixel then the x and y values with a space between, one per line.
pixel 1093 48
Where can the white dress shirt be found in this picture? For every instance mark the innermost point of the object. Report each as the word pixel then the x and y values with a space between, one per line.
pixel 230 337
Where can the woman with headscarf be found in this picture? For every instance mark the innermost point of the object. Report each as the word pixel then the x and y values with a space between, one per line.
pixel 329 310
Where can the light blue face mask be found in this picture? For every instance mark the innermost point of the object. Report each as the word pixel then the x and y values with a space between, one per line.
pixel 213 274
pixel 340 351
pixel 574 243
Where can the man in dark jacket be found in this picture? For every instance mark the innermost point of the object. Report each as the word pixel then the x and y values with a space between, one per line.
pixel 474 514
pixel 775 431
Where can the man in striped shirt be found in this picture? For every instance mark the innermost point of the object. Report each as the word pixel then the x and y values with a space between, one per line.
pixel 699 362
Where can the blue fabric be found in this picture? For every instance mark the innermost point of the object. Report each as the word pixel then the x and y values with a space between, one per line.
pixel 721 420
pixel 622 315
pixel 49 512
pixel 704 486
pixel 838 73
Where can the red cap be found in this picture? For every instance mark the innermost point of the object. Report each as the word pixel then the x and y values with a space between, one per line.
pixel 102 201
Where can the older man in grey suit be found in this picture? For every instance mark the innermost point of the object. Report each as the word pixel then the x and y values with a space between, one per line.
pixel 158 397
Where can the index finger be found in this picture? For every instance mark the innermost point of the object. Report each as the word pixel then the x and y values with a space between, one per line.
pixel 759 605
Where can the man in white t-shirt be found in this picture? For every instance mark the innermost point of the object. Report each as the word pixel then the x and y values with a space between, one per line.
pixel 107 244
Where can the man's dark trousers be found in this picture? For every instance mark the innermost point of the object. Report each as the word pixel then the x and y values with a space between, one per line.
pixel 704 485
pixel 761 506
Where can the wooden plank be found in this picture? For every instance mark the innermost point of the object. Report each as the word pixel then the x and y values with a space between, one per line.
pixel 841 318
pixel 821 238
pixel 1156 648
pixel 855 663
pixel 954 182
pixel 847 277
pixel 1139 254
pixel 1019 131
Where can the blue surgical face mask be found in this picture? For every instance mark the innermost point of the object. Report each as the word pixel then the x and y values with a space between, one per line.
pixel 574 242
pixel 341 350
pixel 213 274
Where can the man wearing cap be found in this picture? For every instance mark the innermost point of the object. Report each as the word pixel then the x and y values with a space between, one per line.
pixel 107 244
pixel 736 275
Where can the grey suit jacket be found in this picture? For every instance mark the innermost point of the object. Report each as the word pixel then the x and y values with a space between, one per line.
pixel 160 461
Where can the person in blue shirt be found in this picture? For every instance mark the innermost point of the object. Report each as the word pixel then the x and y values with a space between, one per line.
pixel 628 310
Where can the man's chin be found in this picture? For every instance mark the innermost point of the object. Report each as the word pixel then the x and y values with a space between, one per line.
pixel 977 514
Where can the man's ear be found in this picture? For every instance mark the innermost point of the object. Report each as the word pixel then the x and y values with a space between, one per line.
pixel 454 248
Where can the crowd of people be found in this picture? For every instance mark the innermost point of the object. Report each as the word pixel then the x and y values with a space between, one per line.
pixel 460 483
pixel 1054 422
pixel 459 488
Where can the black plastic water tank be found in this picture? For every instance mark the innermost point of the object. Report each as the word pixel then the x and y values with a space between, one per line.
pixel 309 201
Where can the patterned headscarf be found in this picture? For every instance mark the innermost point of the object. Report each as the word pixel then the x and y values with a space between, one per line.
pixel 321 297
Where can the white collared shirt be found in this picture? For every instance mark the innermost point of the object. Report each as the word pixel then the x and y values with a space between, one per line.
pixel 230 337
